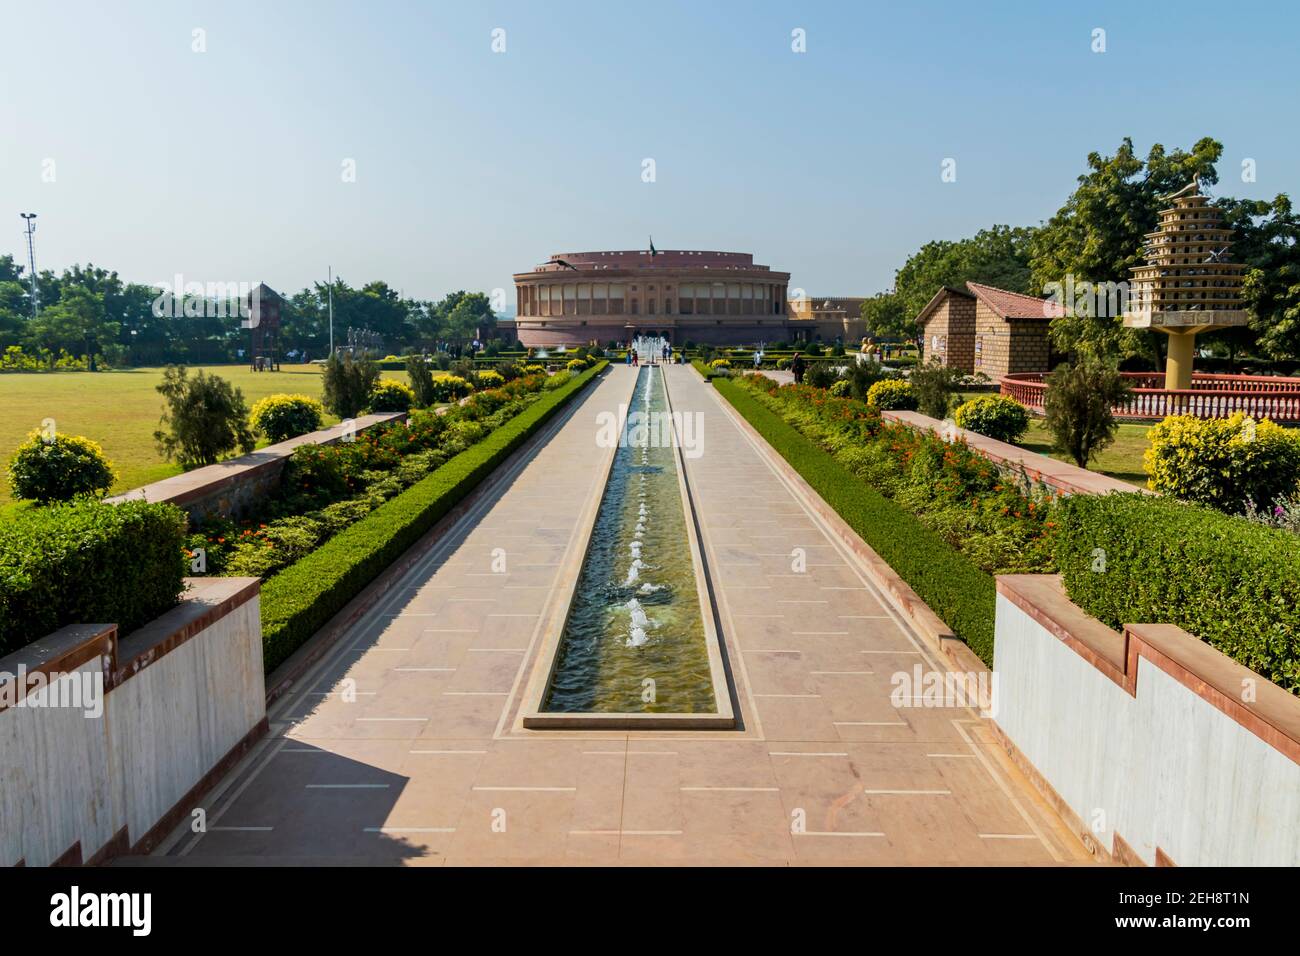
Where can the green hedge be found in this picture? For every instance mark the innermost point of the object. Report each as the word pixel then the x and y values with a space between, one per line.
pixel 1132 558
pixel 948 581
pixel 88 563
pixel 299 600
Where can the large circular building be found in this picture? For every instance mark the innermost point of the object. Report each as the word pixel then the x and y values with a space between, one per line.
pixel 719 298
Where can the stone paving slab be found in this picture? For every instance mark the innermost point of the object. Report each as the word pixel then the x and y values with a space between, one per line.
pixel 404 744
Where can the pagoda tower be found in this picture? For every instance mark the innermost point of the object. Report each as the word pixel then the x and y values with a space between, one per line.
pixel 1187 284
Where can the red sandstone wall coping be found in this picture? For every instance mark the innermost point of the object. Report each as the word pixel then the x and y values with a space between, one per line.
pixel 201 483
pixel 205 601
pixel 1273 714
pixel 1064 477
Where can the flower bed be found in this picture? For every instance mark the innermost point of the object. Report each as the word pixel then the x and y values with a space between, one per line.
pixel 297 601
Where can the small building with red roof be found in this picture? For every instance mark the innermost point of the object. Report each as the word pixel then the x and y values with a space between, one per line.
pixel 980 329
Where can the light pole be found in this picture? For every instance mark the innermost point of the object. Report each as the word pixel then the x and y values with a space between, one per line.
pixel 31 255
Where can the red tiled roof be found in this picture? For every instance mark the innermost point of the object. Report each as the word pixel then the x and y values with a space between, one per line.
pixel 1013 305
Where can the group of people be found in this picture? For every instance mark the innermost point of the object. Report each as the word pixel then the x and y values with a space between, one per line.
pixel 665 354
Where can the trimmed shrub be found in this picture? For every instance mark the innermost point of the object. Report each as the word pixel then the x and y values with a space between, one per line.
pixel 417 370
pixel 86 561
pixel 390 395
pixel 558 380
pixel 892 394
pixel 279 417
pixel 493 379
pixel 59 468
pixel 450 388
pixel 300 599
pixel 1142 559
pixel 934 385
pixel 576 365
pixel 720 364
pixel 205 418
pixel 949 582
pixel 347 383
pixel 1079 407
pixel 1223 462
pixel 842 388
pixel 995 416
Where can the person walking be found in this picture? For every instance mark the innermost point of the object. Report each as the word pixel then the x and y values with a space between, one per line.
pixel 634 358
pixel 798 366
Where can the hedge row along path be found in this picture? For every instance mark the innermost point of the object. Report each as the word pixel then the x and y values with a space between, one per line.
pixel 404 743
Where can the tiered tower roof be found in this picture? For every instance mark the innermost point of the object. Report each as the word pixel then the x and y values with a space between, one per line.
pixel 1187 266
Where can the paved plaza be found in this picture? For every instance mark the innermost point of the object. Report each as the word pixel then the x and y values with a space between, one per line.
pixel 405 743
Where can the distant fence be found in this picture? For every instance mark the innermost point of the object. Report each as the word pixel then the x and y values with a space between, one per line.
pixel 1211 396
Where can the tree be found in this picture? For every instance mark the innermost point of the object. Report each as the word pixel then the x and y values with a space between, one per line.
pixel 417 370
pixel 1268 241
pixel 1079 406
pixel 1099 234
pixel 204 418
pixel 75 323
pixel 934 385
pixel 998 257
pixel 348 383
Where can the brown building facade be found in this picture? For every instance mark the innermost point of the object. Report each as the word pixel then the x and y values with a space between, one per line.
pixel 979 329
pixel 719 298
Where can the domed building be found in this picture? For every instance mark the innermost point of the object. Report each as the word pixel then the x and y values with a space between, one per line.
pixel 718 298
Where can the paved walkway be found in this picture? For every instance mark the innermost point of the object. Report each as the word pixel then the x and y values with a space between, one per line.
pixel 405 743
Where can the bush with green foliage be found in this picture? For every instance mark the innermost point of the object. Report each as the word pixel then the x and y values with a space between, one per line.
pixel 450 388
pixel 300 599
pixel 491 379
pixel 862 375
pixel 347 383
pixel 558 380
pixel 205 417
pixel 842 388
pixel 995 416
pixel 1224 462
pixel 59 468
pixel 891 394
pixel 421 377
pixel 1078 406
pixel 280 417
pixel 720 364
pixel 576 365
pixel 933 385
pixel 1134 558
pixel 390 395
pixel 86 561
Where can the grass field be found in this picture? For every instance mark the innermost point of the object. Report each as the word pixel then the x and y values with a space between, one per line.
pixel 120 410
pixel 1122 460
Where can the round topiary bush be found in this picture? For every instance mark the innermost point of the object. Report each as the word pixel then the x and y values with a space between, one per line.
pixel 1223 462
pixel 285 416
pixel 59 468
pixel 390 395
pixel 841 388
pixel 491 379
pixel 720 363
pixel 576 365
pixel 994 416
pixel 450 388
pixel 892 394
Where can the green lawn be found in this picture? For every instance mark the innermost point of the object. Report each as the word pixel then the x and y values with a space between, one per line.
pixel 120 410
pixel 1122 460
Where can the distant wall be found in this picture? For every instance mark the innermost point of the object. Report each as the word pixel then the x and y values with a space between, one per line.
pixel 179 701
pixel 230 488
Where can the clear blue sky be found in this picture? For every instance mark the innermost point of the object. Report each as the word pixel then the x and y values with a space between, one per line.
pixel 470 165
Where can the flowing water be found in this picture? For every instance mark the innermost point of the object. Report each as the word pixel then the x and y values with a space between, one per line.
pixel 634 641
